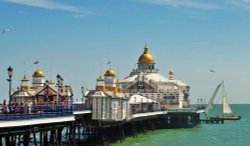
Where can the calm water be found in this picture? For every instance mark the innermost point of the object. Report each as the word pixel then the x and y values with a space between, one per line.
pixel 231 133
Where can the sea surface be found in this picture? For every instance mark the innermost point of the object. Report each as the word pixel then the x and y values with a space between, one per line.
pixel 231 133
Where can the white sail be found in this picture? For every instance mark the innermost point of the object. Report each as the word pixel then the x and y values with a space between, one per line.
pixel 226 108
pixel 210 105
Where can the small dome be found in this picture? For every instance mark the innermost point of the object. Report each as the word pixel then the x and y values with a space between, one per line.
pixel 25 78
pixel 38 73
pixel 146 57
pixel 110 72
pixel 100 78
pixel 51 82
pixel 171 72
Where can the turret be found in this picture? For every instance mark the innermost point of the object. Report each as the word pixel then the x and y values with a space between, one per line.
pixel 171 75
pixel 38 78
pixel 25 84
pixel 110 78
pixel 146 60
pixel 100 84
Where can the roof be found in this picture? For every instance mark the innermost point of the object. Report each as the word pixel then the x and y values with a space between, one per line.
pixel 23 93
pixel 110 72
pixel 38 73
pixel 146 57
pixel 153 77
pixel 66 91
pixel 137 99
pixel 100 93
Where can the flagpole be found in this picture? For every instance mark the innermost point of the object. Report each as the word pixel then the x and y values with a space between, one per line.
pixel 100 73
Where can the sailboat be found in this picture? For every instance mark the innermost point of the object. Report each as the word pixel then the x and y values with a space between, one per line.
pixel 227 110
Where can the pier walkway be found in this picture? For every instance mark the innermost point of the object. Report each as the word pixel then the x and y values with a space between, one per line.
pixel 68 115
pixel 48 125
pixel 40 117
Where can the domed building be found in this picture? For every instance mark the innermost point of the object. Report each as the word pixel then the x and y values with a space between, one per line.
pixel 108 101
pixel 147 81
pixel 38 78
pixel 146 61
pixel 42 92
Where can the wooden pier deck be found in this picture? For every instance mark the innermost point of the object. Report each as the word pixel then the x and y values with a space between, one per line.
pixel 77 126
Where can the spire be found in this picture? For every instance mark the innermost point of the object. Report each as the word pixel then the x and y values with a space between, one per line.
pixel 25 78
pixel 145 48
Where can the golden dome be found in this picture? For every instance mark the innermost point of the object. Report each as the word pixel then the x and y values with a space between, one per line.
pixel 171 72
pixel 25 78
pixel 38 73
pixel 110 72
pixel 146 57
pixel 100 79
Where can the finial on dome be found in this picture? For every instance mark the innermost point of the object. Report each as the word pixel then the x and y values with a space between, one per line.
pixel 25 78
pixel 100 78
pixel 146 48
pixel 146 45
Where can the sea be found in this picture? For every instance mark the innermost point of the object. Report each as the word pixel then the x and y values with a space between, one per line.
pixel 231 133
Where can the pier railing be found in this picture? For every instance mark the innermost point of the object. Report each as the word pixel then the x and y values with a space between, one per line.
pixel 37 111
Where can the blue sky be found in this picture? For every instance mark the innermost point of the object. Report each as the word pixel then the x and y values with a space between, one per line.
pixel 72 38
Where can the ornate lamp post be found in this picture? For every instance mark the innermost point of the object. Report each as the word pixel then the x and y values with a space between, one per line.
pixel 67 97
pixel 10 74
pixel 59 84
pixel 83 92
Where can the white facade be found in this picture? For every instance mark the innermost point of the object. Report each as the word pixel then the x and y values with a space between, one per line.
pixel 38 81
pixel 148 82
pixel 106 106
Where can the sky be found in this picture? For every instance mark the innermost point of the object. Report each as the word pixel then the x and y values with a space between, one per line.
pixel 72 38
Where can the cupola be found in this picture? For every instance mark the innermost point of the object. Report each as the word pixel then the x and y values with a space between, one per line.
pixel 38 73
pixel 110 73
pixel 146 57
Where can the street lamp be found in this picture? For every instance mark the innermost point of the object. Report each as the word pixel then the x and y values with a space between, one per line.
pixel 66 92
pixel 83 96
pixel 59 84
pixel 10 74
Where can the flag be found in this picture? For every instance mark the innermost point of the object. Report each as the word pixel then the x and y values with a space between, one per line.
pixel 109 62
pixel 36 62
pixel 212 71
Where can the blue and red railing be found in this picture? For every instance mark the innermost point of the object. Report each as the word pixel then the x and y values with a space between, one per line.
pixel 38 111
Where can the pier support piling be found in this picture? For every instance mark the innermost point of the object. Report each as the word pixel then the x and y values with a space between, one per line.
pixel 34 137
pixel 41 138
pixel 26 137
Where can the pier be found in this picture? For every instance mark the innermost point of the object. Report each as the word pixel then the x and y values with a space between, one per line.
pixel 75 125
pixel 45 114
pixel 212 121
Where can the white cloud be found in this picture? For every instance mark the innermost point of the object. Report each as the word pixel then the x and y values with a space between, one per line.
pixel 79 15
pixel 47 4
pixel 241 3
pixel 183 3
